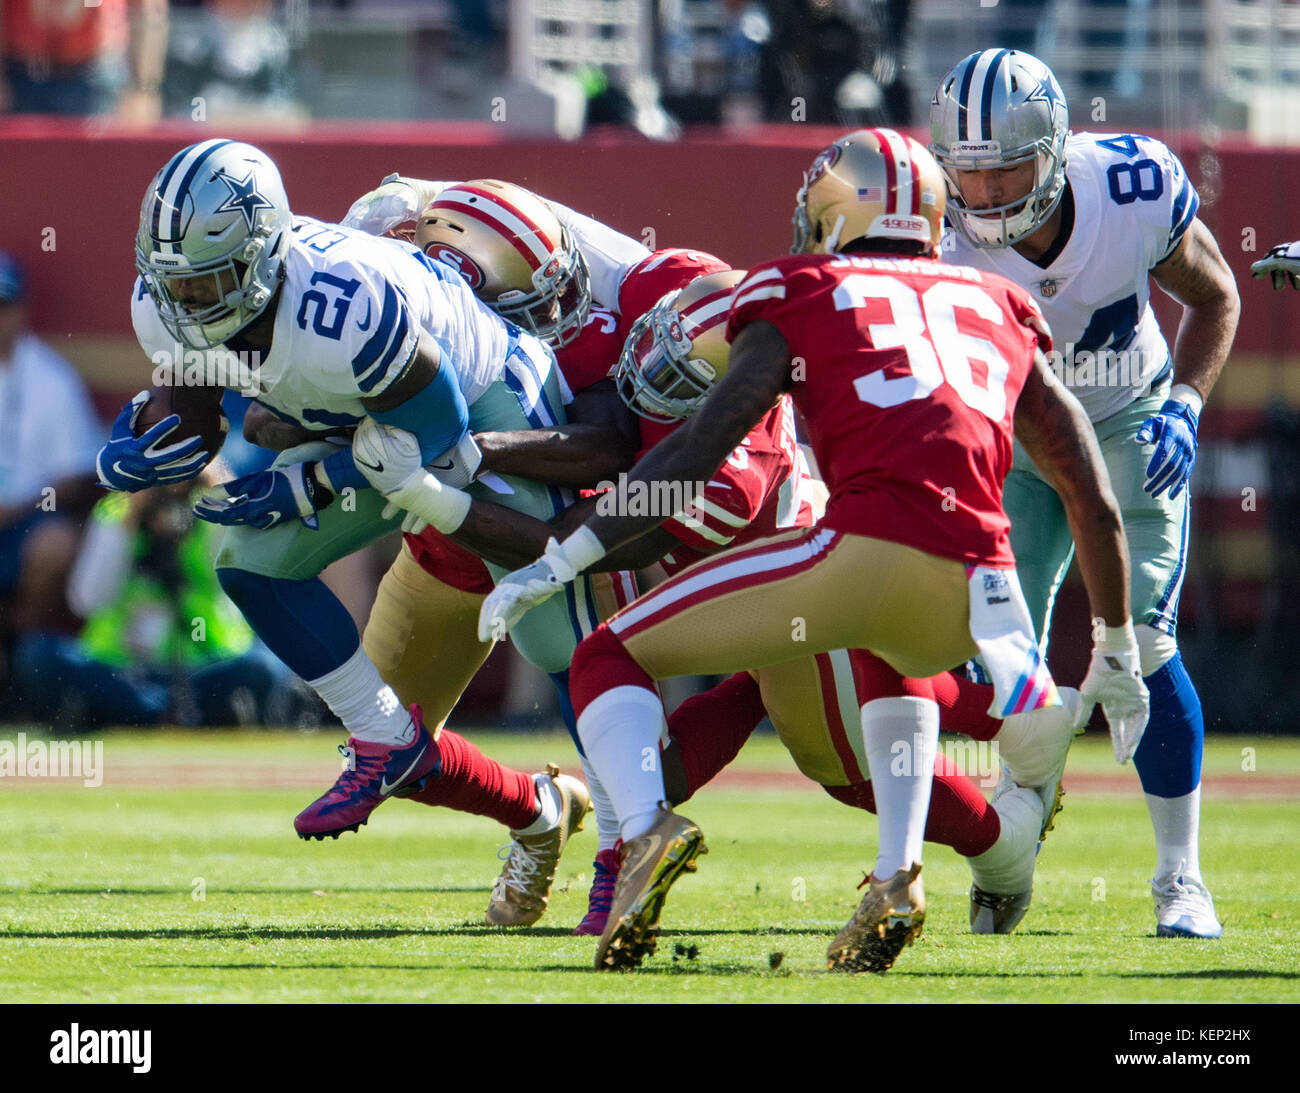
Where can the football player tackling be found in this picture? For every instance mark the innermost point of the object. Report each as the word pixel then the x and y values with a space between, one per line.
pixel 1084 222
pixel 874 341
pixel 343 328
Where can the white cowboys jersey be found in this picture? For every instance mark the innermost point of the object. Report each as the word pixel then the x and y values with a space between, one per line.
pixel 351 309
pixel 1132 204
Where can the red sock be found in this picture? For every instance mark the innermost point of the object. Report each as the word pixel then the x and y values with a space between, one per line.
pixel 471 782
pixel 959 816
pixel 710 728
pixel 601 663
pixel 964 706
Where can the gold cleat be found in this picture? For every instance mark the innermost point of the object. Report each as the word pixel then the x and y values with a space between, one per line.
pixel 888 919
pixel 651 864
pixel 523 889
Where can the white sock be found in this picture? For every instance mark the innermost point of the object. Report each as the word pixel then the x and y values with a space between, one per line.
pixel 1177 822
pixel 365 704
pixel 620 733
pixel 549 803
pixel 1007 867
pixel 901 736
pixel 607 832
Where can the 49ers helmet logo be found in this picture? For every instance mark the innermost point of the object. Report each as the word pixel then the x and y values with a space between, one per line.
pixel 823 163
pixel 459 261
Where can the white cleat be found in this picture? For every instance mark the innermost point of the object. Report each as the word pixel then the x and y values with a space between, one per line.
pixel 1184 908
pixel 1003 876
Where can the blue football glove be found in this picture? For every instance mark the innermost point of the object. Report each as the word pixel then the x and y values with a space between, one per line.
pixel 1173 431
pixel 264 498
pixel 132 463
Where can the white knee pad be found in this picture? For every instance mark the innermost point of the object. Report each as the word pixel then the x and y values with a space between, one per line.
pixel 1155 648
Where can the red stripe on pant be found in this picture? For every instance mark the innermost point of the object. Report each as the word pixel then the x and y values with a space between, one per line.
pixel 835 723
pixel 657 611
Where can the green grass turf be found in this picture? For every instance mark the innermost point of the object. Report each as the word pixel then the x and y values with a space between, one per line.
pixel 97 892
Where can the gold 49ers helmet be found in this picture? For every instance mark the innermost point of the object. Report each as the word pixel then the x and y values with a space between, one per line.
pixel 514 252
pixel 876 184
pixel 678 349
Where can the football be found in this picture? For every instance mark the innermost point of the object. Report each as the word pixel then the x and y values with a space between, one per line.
pixel 200 413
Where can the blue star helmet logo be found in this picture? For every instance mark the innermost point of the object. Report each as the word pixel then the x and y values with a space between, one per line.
pixel 1045 92
pixel 243 196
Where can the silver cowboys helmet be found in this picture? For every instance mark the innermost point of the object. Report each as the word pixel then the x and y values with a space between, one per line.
pixel 214 228
pixel 996 109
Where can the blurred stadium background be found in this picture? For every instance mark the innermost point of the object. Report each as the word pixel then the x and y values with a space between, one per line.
pixel 679 122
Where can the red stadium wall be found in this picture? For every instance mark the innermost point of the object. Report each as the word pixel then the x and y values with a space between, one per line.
pixel 721 193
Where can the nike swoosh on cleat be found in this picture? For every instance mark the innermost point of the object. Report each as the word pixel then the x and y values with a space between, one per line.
pixel 655 842
pixel 385 789
pixel 366 324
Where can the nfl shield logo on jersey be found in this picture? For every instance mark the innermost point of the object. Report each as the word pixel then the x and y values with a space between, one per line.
pixel 1048 287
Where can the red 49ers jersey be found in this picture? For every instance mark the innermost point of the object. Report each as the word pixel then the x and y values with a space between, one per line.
pixel 762 488
pixel 906 372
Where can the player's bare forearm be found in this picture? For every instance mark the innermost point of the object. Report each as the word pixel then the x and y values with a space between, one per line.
pixel 501 535
pixel 757 375
pixel 263 428
pixel 566 455
pixel 1198 278
pixel 1053 428
pixel 600 440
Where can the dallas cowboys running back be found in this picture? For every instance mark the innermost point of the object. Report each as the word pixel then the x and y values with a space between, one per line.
pixel 1084 221
pixel 331 327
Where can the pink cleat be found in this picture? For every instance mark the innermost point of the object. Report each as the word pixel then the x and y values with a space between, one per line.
pixel 372 773
pixel 602 892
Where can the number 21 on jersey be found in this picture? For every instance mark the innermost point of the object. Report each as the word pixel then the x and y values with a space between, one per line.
pixel 925 327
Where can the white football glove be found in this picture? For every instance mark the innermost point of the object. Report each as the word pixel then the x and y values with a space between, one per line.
pixel 1282 263
pixel 395 202
pixel 516 593
pixel 1115 680
pixel 391 461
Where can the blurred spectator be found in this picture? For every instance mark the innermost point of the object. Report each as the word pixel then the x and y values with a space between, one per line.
pixel 234 57
pixel 48 440
pixel 75 57
pixel 162 642
pixel 837 62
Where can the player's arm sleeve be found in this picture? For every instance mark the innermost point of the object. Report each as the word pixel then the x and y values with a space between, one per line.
pixel 1024 308
pixel 730 500
pixel 1167 219
pixel 609 253
pixel 403 377
pixel 762 295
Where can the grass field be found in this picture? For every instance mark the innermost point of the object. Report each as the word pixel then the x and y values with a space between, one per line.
pixel 180 880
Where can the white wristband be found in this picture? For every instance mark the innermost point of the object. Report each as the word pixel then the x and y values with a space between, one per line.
pixel 1185 392
pixel 583 549
pixel 1113 639
pixel 443 507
